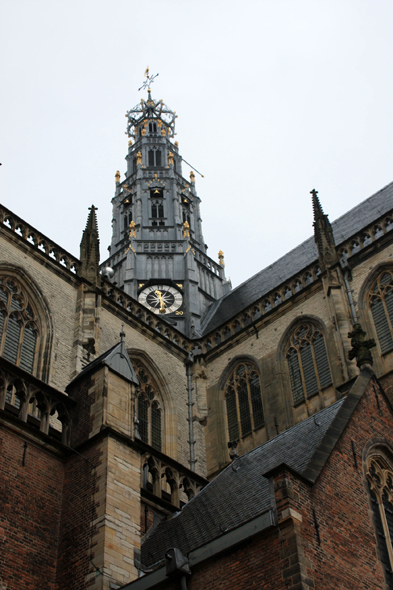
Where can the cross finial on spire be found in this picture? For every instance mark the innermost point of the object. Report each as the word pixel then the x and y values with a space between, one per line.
pixel 148 81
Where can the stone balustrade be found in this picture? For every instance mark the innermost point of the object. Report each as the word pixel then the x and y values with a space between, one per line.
pixel 161 476
pixel 39 240
pixel 33 398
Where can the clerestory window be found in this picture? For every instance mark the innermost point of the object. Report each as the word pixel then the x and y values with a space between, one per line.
pixel 243 401
pixel 308 362
pixel 381 305
pixel 380 481
pixel 149 408
pixel 18 326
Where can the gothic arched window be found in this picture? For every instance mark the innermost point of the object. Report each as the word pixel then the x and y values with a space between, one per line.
pixel 380 481
pixel 381 305
pixel 18 325
pixel 244 401
pixel 149 408
pixel 308 362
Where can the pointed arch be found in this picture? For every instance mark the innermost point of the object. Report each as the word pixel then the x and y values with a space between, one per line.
pixel 378 470
pixel 376 305
pixel 303 346
pixel 26 330
pixel 153 404
pixel 241 386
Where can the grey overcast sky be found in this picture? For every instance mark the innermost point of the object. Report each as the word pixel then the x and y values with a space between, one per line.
pixel 273 97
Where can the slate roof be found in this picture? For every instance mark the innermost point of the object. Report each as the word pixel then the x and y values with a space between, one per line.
pixel 116 358
pixel 240 492
pixel 296 260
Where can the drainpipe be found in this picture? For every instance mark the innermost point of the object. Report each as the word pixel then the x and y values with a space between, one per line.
pixel 190 404
pixel 348 276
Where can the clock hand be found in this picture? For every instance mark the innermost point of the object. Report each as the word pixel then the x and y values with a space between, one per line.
pixel 162 303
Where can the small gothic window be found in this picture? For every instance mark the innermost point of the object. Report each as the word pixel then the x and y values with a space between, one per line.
pixel 288 293
pixel 378 232
pixel 308 363
pixel 298 286
pixel 154 158
pixel 148 407
pixel 18 326
pixel 380 482
pixel 381 305
pixel 355 246
pixel 267 305
pixel 308 278
pixel 366 239
pixel 277 299
pixel 344 253
pixel 243 401
pixel 389 224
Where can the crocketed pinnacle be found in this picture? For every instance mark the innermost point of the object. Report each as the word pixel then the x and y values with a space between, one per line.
pixel 90 248
pixel 323 233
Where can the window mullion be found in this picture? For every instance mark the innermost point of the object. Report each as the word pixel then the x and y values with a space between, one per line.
pixel 315 366
pixel 386 529
pixel 21 336
pixel 387 314
pixel 237 407
pixel 299 358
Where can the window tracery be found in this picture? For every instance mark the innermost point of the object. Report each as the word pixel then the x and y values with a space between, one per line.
pixel 243 401
pixel 308 362
pixel 380 482
pixel 381 305
pixel 18 325
pixel 148 407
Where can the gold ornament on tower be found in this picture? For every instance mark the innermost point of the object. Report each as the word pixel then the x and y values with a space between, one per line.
pixel 221 258
pixel 186 230
pixel 117 176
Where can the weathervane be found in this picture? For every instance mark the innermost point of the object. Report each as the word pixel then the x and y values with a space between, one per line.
pixel 148 81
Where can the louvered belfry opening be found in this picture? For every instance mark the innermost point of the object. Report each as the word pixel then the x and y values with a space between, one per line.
pixel 149 407
pixel 381 305
pixel 243 401
pixel 308 363
pixel 18 325
pixel 380 482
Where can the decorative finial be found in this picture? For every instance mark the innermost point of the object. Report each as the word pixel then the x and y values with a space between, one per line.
pixel 130 143
pixel 221 258
pixel 139 158
pixel 361 348
pixel 148 81
pixel 122 333
pixel 314 193
pixel 177 144
pixel 170 159
pixel 163 132
pixel 186 230
pixel 117 176
pixel 192 176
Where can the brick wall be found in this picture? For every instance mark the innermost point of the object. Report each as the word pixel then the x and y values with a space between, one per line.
pixel 30 507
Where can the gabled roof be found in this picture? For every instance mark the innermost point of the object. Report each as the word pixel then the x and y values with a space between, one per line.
pixel 116 358
pixel 240 493
pixel 296 260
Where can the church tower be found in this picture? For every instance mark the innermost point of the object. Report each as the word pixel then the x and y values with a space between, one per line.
pixel 158 253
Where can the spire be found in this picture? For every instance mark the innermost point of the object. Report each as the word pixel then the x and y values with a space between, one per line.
pixel 323 234
pixel 90 249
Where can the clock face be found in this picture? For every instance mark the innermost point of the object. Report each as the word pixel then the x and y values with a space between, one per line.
pixel 161 298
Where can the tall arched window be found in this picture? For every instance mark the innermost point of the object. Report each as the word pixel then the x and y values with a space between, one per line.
pixel 18 325
pixel 381 305
pixel 380 481
pixel 243 401
pixel 308 362
pixel 149 407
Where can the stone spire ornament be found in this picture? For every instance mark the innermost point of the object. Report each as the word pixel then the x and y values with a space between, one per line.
pixel 323 234
pixel 90 249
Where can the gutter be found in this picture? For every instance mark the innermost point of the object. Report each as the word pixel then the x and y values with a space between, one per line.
pixel 234 537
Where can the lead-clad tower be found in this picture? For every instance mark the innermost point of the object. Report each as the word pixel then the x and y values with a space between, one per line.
pixel 158 253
